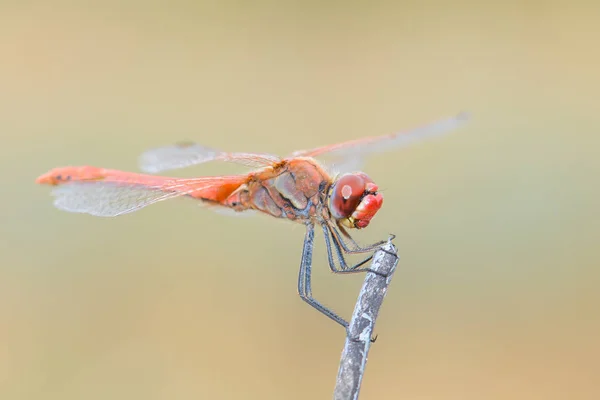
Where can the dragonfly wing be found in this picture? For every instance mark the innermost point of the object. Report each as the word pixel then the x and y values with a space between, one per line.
pixel 121 193
pixel 229 212
pixel 349 155
pixel 107 199
pixel 187 154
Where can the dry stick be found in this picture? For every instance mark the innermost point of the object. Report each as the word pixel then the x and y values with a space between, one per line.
pixel 358 340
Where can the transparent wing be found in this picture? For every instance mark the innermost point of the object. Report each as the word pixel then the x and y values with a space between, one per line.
pixel 187 154
pixel 349 155
pixel 113 198
pixel 107 199
pixel 228 211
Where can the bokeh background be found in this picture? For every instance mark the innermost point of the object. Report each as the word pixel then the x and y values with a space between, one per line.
pixel 496 296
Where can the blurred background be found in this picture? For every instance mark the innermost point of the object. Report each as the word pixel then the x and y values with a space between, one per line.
pixel 496 295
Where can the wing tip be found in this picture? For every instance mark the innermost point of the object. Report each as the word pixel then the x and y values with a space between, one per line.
pixel 45 179
pixel 148 169
pixel 463 116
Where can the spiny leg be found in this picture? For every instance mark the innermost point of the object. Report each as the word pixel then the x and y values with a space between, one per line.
pixel 304 278
pixel 345 233
pixel 338 237
pixel 343 267
pixel 371 247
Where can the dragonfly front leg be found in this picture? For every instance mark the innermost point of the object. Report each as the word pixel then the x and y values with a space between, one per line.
pixel 337 236
pixel 304 278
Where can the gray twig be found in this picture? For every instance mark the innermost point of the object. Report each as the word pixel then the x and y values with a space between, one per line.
pixel 358 340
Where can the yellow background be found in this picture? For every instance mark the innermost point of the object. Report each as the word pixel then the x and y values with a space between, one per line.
pixel 497 292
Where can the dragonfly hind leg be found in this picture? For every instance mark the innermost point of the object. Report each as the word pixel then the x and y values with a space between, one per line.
pixel 304 278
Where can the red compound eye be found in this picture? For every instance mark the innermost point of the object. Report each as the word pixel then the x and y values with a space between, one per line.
pixel 347 193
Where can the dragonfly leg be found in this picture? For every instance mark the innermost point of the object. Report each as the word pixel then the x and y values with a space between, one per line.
pixel 338 231
pixel 343 266
pixel 304 278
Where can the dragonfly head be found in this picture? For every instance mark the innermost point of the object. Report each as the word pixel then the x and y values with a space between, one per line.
pixel 354 200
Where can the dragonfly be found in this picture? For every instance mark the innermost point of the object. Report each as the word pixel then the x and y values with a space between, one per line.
pixel 333 195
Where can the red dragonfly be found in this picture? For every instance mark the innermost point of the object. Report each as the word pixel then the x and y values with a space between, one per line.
pixel 297 187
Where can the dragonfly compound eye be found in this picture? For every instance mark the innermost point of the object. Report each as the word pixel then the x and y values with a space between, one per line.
pixel 354 200
pixel 346 195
